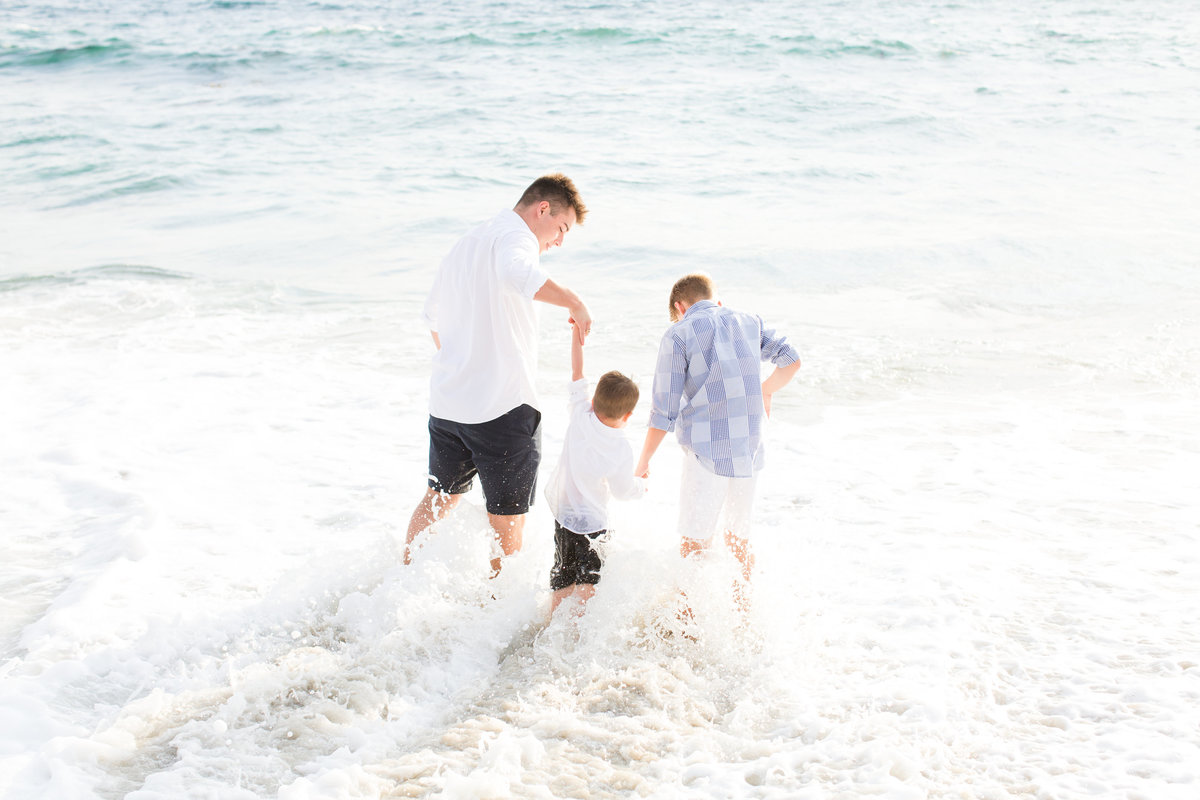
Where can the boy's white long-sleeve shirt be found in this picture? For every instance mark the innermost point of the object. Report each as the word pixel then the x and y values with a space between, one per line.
pixel 596 464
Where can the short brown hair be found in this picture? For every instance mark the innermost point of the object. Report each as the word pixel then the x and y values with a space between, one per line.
pixel 559 191
pixel 689 289
pixel 616 395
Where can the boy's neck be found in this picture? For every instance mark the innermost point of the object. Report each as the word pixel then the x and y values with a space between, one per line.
pixel 682 306
pixel 612 423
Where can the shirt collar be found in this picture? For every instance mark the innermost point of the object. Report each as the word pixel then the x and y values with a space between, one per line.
pixel 601 428
pixel 699 304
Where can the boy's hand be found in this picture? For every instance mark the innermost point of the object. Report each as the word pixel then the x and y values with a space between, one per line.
pixel 654 437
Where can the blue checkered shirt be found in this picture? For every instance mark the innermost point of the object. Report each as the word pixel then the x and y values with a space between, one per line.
pixel 708 385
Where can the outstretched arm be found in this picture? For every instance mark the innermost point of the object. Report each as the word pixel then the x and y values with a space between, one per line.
pixel 576 353
pixel 561 296
pixel 654 437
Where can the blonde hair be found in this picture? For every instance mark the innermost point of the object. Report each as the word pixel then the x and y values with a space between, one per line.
pixel 558 191
pixel 616 395
pixel 689 289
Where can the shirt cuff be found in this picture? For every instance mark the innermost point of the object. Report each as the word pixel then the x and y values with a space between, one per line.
pixel 577 390
pixel 786 358
pixel 537 279
pixel 661 421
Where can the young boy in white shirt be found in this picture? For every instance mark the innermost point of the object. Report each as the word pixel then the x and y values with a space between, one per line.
pixel 596 464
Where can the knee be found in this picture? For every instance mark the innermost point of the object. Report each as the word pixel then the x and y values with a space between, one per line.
pixel 436 503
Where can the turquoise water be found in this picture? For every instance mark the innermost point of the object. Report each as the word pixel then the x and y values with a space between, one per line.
pixel 815 143
pixel 976 533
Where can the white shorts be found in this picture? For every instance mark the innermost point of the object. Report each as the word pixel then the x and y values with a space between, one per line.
pixel 709 503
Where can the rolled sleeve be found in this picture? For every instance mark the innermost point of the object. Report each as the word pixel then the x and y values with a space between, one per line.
pixel 775 348
pixel 430 311
pixel 633 488
pixel 537 279
pixel 578 401
pixel 430 322
pixel 519 265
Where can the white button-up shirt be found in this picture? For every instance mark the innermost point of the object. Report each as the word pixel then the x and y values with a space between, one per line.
pixel 596 464
pixel 481 307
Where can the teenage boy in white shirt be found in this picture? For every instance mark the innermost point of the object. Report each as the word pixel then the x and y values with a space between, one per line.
pixel 483 407
pixel 708 388
pixel 596 464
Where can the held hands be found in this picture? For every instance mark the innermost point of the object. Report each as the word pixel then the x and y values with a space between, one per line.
pixel 654 437
pixel 563 297
pixel 582 321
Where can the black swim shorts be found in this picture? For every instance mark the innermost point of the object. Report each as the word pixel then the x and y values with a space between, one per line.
pixel 504 452
pixel 577 558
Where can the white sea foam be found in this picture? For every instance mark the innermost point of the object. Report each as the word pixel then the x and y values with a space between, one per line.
pixel 969 581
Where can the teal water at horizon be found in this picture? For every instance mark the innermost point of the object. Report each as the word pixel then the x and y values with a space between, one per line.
pixel 817 144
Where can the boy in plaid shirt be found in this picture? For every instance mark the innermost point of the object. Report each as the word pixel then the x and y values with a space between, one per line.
pixel 708 389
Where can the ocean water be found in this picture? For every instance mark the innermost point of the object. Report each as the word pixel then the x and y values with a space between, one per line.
pixel 977 532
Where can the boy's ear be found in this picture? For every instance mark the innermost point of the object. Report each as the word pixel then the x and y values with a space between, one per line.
pixel 627 416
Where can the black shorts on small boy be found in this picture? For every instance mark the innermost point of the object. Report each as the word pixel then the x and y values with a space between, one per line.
pixel 576 558
pixel 504 452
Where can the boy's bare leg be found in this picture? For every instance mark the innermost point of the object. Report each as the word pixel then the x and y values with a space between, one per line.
pixel 433 506
pixel 688 547
pixel 580 591
pixel 745 555
pixel 510 531
pixel 559 596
